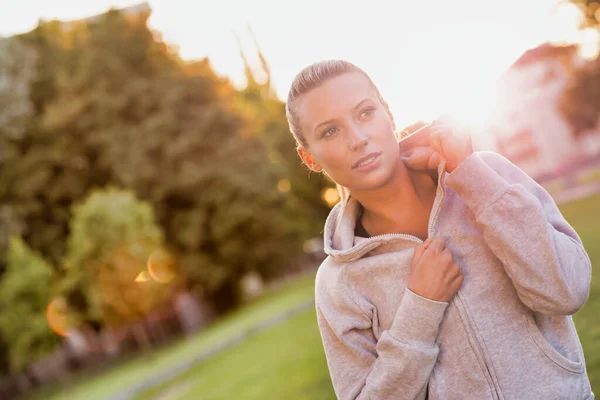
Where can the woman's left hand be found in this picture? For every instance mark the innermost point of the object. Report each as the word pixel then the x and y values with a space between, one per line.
pixel 446 139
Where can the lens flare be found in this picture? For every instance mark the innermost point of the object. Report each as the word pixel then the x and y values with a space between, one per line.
pixel 57 317
pixel 143 276
pixel 161 266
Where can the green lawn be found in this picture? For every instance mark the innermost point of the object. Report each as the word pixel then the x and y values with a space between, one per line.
pixel 584 215
pixel 144 367
pixel 589 177
pixel 287 361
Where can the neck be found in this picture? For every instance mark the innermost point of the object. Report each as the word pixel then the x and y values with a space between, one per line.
pixel 402 205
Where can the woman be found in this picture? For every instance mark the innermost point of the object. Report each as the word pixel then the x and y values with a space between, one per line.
pixel 460 286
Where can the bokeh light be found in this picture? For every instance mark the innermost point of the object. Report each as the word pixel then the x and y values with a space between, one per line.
pixel 284 185
pixel 58 317
pixel 161 266
pixel 330 196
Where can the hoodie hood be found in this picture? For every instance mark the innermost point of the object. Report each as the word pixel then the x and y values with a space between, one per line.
pixel 339 240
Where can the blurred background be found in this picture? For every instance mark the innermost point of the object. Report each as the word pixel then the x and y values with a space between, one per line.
pixel 159 237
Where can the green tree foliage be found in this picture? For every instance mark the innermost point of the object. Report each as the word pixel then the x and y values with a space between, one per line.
pixel 112 236
pixel 110 104
pixel 25 290
pixel 31 162
pixel 264 114
pixel 16 110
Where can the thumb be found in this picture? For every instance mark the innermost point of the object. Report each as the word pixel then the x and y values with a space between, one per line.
pixel 422 158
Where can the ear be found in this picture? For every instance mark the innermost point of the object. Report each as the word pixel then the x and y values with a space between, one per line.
pixel 308 159
pixel 389 113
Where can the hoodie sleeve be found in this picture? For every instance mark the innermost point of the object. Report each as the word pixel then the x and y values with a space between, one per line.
pixel 398 365
pixel 541 253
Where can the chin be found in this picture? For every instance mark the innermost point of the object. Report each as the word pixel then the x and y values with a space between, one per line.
pixel 375 180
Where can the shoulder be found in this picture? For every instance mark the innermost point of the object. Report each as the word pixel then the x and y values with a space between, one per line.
pixel 503 167
pixel 336 305
pixel 518 180
pixel 329 284
pixel 331 287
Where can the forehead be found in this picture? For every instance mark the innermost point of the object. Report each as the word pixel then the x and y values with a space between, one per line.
pixel 334 97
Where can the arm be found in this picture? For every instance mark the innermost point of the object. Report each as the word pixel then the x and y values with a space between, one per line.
pixel 397 366
pixel 541 253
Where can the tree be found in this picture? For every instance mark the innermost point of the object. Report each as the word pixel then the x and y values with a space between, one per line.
pixel 266 120
pixel 17 71
pixel 212 186
pixel 113 105
pixel 590 10
pixel 25 293
pixel 581 100
pixel 112 237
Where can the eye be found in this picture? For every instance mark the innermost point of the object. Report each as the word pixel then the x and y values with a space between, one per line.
pixel 329 131
pixel 367 112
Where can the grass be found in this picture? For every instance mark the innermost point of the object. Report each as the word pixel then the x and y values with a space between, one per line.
pixel 584 216
pixel 555 187
pixel 589 177
pixel 273 365
pixel 145 366
pixel 287 361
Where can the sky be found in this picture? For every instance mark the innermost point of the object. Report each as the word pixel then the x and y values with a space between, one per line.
pixel 427 57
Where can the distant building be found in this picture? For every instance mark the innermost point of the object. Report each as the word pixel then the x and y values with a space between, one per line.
pixel 528 127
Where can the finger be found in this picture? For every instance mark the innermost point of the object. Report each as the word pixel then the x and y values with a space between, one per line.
pixel 435 141
pixel 458 281
pixel 434 160
pixel 437 245
pixel 420 159
pixel 418 138
pixel 456 271
pixel 446 256
pixel 419 250
pixel 415 126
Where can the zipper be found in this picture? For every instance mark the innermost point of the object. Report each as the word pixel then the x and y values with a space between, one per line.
pixel 437 207
pixel 461 309
pixel 466 318
pixel 469 324
pixel 481 355
pixel 432 220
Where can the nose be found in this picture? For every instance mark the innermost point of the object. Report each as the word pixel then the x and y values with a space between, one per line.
pixel 357 138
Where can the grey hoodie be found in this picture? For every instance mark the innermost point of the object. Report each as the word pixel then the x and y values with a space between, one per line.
pixel 508 332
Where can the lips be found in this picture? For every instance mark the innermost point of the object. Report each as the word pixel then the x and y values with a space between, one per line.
pixel 366 159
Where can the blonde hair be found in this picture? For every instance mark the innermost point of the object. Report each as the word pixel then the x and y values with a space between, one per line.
pixel 310 78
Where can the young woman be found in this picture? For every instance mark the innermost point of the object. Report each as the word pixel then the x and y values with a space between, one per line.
pixel 454 285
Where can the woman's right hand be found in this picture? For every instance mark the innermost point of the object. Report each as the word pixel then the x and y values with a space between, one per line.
pixel 433 273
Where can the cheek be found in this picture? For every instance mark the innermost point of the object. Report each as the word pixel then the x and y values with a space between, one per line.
pixel 333 158
pixel 383 129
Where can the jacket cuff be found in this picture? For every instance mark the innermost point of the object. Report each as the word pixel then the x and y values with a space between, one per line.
pixel 417 320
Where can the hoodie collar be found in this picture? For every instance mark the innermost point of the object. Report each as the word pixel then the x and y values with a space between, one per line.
pixel 339 239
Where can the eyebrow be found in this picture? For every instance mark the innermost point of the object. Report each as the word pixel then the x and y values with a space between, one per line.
pixel 333 119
